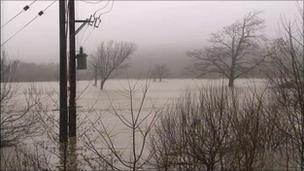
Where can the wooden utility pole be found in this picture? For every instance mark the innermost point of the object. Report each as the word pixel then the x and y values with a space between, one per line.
pixel 72 69
pixel 72 66
pixel 63 118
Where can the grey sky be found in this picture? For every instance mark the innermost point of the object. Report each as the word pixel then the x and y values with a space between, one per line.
pixel 180 25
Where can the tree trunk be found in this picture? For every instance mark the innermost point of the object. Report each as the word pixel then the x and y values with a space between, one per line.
pixel 221 161
pixel 232 70
pixel 95 82
pixel 102 82
pixel 231 82
pixel 95 77
pixel 210 167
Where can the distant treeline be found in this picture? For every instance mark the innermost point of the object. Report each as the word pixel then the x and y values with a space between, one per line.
pixel 36 72
pixel 29 72
pixel 41 72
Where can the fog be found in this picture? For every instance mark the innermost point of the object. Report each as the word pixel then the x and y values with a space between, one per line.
pixel 162 30
pixel 239 107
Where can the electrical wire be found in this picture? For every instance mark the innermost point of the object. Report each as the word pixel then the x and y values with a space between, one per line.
pixel 25 8
pixel 66 26
pixel 77 16
pixel 92 2
pixel 83 35
pixel 88 37
pixel 84 38
pixel 109 9
pixel 102 8
pixel 28 23
pixel 49 5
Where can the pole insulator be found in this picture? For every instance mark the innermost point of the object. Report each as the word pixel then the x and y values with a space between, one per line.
pixel 26 8
pixel 40 13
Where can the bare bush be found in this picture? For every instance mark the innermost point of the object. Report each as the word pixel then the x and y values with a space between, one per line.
pixel 137 124
pixel 212 131
pixel 287 80
pixel 17 121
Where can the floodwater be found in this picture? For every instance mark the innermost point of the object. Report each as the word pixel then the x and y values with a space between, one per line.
pixel 116 90
pixel 96 111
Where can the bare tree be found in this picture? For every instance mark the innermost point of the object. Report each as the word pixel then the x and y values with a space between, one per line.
pixel 159 72
pixel 94 69
pixel 287 79
pixel 16 122
pixel 235 50
pixel 109 57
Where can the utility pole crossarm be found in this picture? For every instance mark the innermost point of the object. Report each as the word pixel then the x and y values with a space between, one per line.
pixel 84 22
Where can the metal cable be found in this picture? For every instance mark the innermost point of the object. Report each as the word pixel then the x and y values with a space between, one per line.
pixel 102 7
pixel 25 8
pixel 28 23
pixel 109 9
pixel 88 37
pixel 91 2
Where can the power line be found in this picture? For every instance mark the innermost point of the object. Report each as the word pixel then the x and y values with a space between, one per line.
pixel 109 9
pixel 83 35
pixel 102 7
pixel 87 38
pixel 92 2
pixel 25 8
pixel 28 23
pixel 49 5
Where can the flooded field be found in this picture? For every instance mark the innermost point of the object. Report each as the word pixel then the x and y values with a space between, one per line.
pixel 159 93
pixel 99 110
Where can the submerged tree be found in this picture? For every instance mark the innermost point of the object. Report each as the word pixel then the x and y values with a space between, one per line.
pixel 159 72
pixel 94 68
pixel 235 50
pixel 110 56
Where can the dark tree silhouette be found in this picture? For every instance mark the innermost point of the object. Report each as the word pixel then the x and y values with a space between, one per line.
pixel 109 57
pixel 159 72
pixel 234 51
pixel 94 69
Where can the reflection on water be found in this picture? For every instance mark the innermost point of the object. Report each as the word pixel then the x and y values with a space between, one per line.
pixel 68 155
pixel 63 156
pixel 72 154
